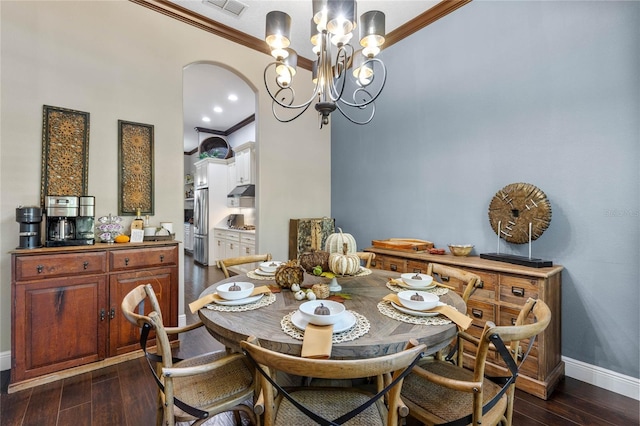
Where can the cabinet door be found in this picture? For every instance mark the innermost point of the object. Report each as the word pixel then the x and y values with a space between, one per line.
pixel 123 336
pixel 59 323
pixel 231 176
pixel 232 248
pixel 244 171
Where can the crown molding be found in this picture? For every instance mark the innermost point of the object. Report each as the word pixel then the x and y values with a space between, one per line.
pixel 175 11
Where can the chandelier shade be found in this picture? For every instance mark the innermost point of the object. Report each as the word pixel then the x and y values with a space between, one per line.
pixel 345 79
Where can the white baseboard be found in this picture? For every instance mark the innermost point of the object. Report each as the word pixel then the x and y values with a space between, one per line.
pixel 603 378
pixel 597 376
pixel 5 360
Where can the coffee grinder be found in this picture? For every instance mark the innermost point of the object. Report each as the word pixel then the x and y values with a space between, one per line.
pixel 30 219
pixel 65 225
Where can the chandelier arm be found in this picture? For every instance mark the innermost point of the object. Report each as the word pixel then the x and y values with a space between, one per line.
pixel 342 58
pixel 344 114
pixel 282 120
pixel 373 97
pixel 274 98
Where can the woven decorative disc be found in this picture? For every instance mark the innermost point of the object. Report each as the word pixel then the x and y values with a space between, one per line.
pixel 516 206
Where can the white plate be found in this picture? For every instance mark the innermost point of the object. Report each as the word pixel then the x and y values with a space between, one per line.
pixel 416 313
pixel 347 321
pixel 263 273
pixel 238 302
pixel 402 284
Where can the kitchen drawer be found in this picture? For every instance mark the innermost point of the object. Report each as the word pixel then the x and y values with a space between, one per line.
pixel 57 265
pixel 232 236
pixel 517 290
pixel 121 260
pixel 247 239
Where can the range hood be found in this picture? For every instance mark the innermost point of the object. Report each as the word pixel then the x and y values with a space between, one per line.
pixel 243 191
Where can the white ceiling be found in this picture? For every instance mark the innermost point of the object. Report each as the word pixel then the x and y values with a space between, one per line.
pixel 206 86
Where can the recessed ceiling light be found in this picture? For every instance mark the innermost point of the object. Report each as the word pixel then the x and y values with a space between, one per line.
pixel 233 97
pixel 217 109
pixel 206 119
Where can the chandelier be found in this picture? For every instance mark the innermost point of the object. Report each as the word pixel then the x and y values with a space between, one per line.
pixel 345 79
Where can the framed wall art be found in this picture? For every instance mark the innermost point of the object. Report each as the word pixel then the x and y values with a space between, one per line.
pixel 135 168
pixel 65 152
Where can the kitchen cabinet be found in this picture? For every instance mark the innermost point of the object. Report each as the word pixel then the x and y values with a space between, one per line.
pixel 188 237
pixel 245 164
pixel 504 289
pixel 233 243
pixel 231 174
pixel 66 305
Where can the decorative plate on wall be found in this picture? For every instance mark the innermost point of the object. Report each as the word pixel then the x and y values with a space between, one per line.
pixel 514 208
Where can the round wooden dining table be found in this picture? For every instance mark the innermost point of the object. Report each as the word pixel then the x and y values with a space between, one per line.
pixel 386 335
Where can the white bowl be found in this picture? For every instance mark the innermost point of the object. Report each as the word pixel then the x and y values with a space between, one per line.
pixel 245 291
pixel 335 312
pixel 270 266
pixel 424 280
pixel 430 300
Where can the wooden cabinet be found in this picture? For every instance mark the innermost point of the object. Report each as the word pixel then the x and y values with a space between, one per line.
pixel 505 288
pixel 66 304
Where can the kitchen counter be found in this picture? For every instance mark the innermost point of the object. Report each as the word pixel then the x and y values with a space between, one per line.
pixel 242 231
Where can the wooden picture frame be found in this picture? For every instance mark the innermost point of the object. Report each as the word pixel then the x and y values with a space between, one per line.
pixel 135 168
pixel 65 152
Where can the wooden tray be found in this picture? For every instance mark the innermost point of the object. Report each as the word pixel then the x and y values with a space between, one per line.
pixel 403 244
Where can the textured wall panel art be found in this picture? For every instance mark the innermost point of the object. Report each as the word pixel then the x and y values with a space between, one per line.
pixel 65 152
pixel 135 168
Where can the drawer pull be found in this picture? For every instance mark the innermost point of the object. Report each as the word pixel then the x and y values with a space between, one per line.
pixel 162 258
pixel 444 278
pixel 513 321
pixel 231 246
pixel 246 250
pixel 85 264
pixel 102 314
pixel 39 268
pixel 112 313
pixel 518 291
pixel 393 267
pixel 480 284
pixel 373 263
pixel 476 313
pixel 126 261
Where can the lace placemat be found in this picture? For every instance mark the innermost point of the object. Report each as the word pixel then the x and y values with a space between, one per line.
pixel 254 276
pixel 386 309
pixel 360 328
pixel 438 291
pixel 268 299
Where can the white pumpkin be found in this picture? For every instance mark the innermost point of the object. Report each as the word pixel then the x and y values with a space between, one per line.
pixel 344 263
pixel 336 241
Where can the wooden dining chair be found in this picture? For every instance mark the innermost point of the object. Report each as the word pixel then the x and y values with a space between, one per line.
pixel 469 282
pixel 438 392
pixel 331 405
pixel 194 389
pixel 224 264
pixel 366 257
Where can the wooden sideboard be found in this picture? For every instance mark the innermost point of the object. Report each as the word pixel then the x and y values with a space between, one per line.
pixel 505 288
pixel 65 310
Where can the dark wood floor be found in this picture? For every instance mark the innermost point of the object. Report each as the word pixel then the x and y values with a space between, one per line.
pixel 125 394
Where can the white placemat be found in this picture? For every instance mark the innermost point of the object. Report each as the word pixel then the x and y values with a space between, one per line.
pixel 386 309
pixel 268 299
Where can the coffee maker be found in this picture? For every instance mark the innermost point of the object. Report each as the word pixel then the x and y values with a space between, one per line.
pixel 70 220
pixel 30 219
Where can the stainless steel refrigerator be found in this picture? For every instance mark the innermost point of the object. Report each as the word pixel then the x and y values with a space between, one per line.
pixel 201 226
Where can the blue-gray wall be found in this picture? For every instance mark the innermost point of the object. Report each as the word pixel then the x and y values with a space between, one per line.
pixel 546 93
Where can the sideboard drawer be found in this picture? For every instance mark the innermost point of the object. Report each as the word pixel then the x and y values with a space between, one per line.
pixel 389 263
pixel 417 266
pixel 121 260
pixel 487 288
pixel 57 265
pixel 517 290
pixel 481 312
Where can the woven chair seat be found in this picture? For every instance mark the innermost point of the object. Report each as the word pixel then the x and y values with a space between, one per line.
pixel 446 404
pixel 332 405
pixel 216 388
